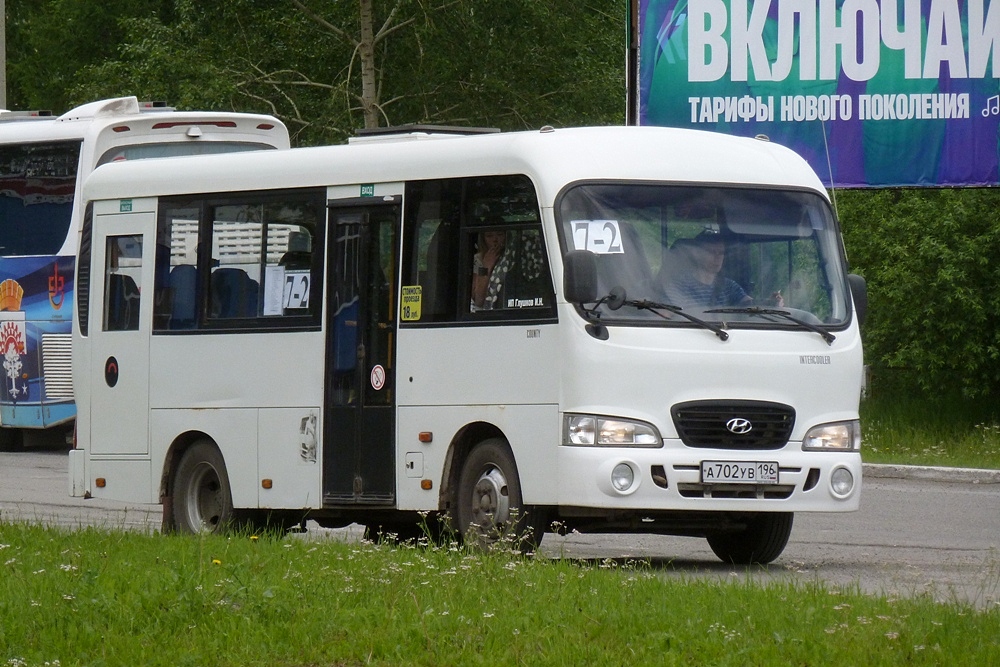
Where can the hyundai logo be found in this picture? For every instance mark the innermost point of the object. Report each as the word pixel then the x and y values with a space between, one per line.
pixel 739 426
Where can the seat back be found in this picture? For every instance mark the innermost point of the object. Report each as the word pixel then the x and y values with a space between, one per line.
pixel 183 281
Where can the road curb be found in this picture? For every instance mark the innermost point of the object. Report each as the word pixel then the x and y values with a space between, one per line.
pixel 931 473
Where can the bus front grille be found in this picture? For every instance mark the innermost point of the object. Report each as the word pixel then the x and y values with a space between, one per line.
pixel 56 368
pixel 733 424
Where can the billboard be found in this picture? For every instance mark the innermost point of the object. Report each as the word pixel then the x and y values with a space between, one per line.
pixel 890 93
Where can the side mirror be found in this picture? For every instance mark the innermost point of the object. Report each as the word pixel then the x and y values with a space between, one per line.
pixel 859 290
pixel 580 276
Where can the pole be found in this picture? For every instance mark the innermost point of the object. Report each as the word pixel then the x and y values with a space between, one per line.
pixel 631 65
pixel 3 54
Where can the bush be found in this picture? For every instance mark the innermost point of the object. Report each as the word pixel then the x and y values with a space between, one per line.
pixel 929 257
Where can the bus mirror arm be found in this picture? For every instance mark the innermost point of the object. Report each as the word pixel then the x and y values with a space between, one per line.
pixel 614 300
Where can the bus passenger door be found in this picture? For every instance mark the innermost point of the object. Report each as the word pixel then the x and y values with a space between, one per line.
pixel 120 317
pixel 359 428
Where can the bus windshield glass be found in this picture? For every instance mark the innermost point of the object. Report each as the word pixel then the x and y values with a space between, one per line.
pixel 727 255
pixel 165 149
pixel 36 196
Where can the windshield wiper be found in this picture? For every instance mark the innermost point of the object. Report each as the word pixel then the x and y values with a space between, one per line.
pixel 616 298
pixel 756 310
pixel 656 307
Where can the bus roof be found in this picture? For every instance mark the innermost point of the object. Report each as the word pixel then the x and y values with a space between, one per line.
pixel 125 114
pixel 552 158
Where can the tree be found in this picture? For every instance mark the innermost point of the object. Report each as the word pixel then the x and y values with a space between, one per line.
pixel 929 257
pixel 513 64
pixel 48 42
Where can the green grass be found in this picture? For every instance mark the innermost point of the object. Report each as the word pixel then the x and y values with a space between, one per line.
pixel 93 597
pixel 901 429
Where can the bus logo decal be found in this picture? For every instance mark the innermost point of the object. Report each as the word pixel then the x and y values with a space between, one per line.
pixel 739 426
pixel 378 377
pixel 12 335
pixel 11 294
pixel 57 288
pixel 12 347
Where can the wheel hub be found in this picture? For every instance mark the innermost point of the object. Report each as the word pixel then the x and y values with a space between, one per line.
pixel 490 502
pixel 206 504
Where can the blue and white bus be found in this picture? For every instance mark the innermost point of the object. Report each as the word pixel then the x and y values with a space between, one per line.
pixel 43 162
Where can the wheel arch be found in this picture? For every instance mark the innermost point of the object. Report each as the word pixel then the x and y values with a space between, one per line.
pixel 175 452
pixel 461 444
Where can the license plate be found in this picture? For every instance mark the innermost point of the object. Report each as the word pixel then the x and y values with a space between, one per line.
pixel 739 472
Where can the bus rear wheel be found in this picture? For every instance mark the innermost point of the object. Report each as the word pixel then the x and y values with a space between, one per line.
pixel 203 501
pixel 760 541
pixel 490 508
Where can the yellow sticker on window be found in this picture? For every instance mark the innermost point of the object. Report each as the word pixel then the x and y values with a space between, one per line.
pixel 410 303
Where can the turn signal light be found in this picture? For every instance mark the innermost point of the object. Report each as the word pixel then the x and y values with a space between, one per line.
pixel 100 482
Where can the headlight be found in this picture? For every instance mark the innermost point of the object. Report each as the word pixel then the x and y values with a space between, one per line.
pixel 841 436
pixel 589 430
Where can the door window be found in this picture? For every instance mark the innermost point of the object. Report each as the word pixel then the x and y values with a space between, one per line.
pixel 122 282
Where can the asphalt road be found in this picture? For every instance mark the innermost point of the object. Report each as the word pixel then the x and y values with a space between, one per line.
pixel 919 532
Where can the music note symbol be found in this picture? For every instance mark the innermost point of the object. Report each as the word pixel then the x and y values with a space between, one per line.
pixel 992 106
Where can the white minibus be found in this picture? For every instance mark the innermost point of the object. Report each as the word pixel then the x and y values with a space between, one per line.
pixel 616 329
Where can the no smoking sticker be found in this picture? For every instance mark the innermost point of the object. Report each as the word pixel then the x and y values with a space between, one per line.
pixel 378 377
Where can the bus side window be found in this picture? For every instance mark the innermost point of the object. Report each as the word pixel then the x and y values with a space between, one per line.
pixel 123 272
pixel 509 271
pixel 430 255
pixel 176 274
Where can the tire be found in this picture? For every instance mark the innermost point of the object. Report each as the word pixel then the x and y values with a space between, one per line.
pixel 203 500
pixel 489 505
pixel 761 541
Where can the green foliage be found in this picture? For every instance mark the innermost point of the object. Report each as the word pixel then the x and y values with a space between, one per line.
pixel 49 42
pixel 512 64
pixel 90 597
pixel 952 431
pixel 930 260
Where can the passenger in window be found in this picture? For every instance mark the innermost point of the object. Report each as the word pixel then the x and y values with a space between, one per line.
pixel 694 267
pixel 489 268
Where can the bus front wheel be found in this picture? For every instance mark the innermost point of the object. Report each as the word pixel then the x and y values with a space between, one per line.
pixel 490 508
pixel 761 540
pixel 203 501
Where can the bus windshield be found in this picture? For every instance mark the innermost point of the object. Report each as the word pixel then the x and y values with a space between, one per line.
pixel 36 196
pixel 727 255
